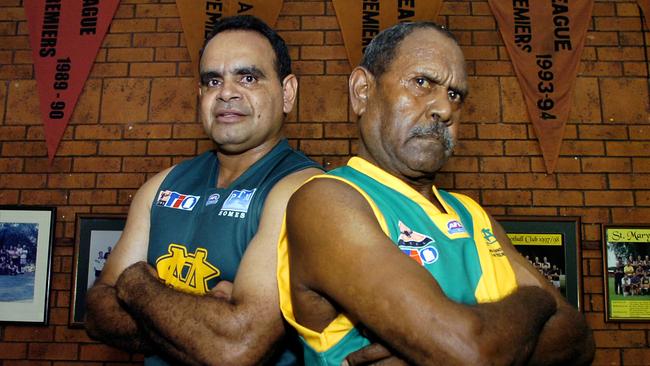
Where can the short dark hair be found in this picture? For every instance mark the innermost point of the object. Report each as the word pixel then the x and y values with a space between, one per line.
pixel 379 54
pixel 250 23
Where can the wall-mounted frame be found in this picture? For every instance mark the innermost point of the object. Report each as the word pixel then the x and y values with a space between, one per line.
pixel 552 245
pixel 626 269
pixel 96 236
pixel 26 236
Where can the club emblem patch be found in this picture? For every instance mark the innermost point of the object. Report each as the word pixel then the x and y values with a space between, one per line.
pixel 417 246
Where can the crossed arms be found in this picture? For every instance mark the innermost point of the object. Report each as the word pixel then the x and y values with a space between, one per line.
pixel 342 261
pixel 130 308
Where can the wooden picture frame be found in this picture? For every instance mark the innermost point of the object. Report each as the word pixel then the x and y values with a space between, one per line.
pixel 96 235
pixel 557 239
pixel 627 288
pixel 26 236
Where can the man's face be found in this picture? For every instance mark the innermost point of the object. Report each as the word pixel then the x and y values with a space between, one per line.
pixel 413 110
pixel 242 102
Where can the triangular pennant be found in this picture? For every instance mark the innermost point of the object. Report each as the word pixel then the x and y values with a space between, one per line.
pixel 545 40
pixel 360 21
pixel 645 9
pixel 65 37
pixel 199 16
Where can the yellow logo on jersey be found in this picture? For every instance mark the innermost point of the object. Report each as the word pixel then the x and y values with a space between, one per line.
pixel 189 273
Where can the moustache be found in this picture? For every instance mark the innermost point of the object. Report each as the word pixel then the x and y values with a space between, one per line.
pixel 437 130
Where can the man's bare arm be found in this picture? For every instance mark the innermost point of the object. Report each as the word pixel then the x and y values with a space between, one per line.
pixel 566 338
pixel 106 319
pixel 340 252
pixel 210 330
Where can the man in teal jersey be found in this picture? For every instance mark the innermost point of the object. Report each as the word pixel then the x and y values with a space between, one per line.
pixel 191 279
pixel 384 255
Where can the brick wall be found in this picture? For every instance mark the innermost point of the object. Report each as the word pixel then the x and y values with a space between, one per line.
pixel 137 115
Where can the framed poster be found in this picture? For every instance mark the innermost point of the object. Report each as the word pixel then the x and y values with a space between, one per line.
pixel 96 236
pixel 552 245
pixel 626 262
pixel 26 235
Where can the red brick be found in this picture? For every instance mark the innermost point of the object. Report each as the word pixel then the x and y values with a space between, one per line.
pixel 302 8
pixel 53 351
pixel 171 25
pixel 8 133
pixel 506 197
pixel 522 147
pixel 308 67
pixel 494 68
pixel 97 164
pixel 142 69
pixel 117 40
pixel 631 39
pixel 44 197
pixel 505 164
pixel 146 164
pixel 593 68
pixel 130 54
pixel 319 22
pixel 21 333
pixel 98 132
pixel 124 180
pixel 455 8
pixel 92 197
pixel 148 131
pixel 303 37
pixel 74 148
pixel 304 130
pixel 12 350
pixel 172 104
pixel 479 148
pixel 169 147
pixel 482 104
pixel 557 198
pixel 333 37
pixel 287 23
pixel 16 72
pixel 121 148
pixel 157 39
pixel 629 181
pixel 102 352
pixel 530 180
pixel 609 357
pixel 338 67
pixel 602 132
pixel 22 181
pixel 60 281
pixel 86 180
pixel 325 147
pixel 641 165
pixel 22 93
pixel 610 338
pixel 582 181
pixel 323 53
pixel 11 165
pixel 501 131
pixel 630 215
pixel 461 164
pixel 155 10
pixel 319 106
pixel 601 39
pixel 14 42
pixel 65 334
pixel 113 69
pixel 636 356
pixel 125 100
pixel 632 69
pixel 42 165
pixel 133 25
pixel 189 131
pixel 472 22
pixel 585 96
pixel 172 54
pixel 617 24
pixel 480 180
pixel 606 165
pixel 628 148
pixel 609 198
pixel 620 54
pixel 341 130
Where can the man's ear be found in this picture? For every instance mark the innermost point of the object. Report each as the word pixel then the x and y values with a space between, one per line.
pixel 289 92
pixel 359 84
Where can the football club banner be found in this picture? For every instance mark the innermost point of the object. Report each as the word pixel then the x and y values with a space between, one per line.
pixel 65 37
pixel 198 17
pixel 360 20
pixel 545 40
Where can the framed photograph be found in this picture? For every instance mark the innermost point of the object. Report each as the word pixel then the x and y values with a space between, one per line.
pixel 626 268
pixel 26 236
pixel 96 236
pixel 552 245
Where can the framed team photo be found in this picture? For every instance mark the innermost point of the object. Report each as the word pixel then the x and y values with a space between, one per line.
pixel 552 245
pixel 626 262
pixel 26 236
pixel 96 236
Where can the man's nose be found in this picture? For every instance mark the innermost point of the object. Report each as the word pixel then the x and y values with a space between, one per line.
pixel 440 106
pixel 229 90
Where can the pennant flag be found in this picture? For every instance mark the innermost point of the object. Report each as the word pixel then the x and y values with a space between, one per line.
pixel 545 40
pixel 360 21
pixel 65 37
pixel 645 9
pixel 198 17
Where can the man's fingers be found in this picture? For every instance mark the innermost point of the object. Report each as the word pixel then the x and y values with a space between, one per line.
pixel 223 290
pixel 369 354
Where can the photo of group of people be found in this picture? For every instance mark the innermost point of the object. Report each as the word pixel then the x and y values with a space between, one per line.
pixel 17 261
pixel 102 243
pixel 632 275
pixel 551 271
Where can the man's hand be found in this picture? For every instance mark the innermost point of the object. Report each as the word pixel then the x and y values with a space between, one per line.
pixel 223 290
pixel 374 354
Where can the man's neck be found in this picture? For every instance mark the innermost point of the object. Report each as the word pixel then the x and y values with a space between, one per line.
pixel 232 166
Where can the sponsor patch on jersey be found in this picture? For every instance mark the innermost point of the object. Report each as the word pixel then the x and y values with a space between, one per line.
pixel 423 256
pixel 212 199
pixel 455 227
pixel 410 238
pixel 488 236
pixel 236 205
pixel 177 200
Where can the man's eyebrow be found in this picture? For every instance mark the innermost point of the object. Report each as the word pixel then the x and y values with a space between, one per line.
pixel 462 91
pixel 250 70
pixel 204 76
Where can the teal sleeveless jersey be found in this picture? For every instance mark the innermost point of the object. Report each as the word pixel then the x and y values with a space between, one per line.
pixel 457 247
pixel 199 233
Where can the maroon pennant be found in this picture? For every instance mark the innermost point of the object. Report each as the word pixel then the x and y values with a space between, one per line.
pixel 65 37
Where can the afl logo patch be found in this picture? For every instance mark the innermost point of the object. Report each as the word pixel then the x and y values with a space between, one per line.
pixel 212 199
pixel 455 227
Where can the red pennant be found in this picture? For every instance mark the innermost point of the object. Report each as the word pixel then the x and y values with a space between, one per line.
pixel 65 37
pixel 545 40
pixel 360 21
pixel 198 18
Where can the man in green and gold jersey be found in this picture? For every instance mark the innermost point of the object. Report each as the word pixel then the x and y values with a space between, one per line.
pixel 385 256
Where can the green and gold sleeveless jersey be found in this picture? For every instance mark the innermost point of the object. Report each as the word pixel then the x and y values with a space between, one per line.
pixel 457 247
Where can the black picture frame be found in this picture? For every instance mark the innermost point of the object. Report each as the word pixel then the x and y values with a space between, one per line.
pixel 558 239
pixel 627 297
pixel 26 237
pixel 96 234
